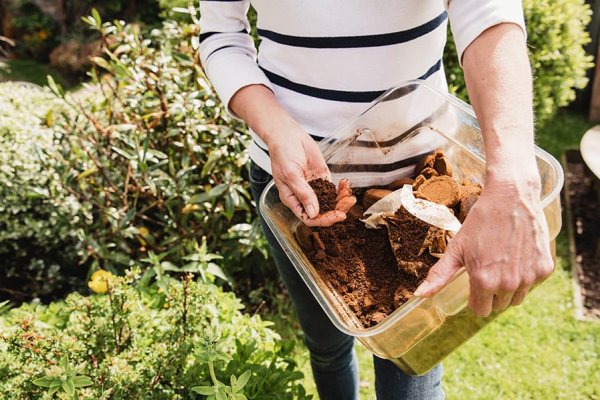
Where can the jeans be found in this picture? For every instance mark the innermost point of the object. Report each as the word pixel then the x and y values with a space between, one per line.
pixel 332 356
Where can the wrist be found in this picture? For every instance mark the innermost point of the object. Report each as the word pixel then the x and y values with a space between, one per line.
pixel 521 183
pixel 281 132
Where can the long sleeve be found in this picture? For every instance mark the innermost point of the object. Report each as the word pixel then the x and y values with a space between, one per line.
pixel 227 51
pixel 470 18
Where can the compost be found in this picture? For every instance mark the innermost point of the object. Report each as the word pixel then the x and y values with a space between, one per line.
pixel 375 271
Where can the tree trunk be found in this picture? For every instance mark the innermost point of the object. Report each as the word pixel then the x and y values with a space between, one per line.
pixel 130 10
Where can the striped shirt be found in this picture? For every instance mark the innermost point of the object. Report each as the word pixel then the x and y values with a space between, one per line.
pixel 327 60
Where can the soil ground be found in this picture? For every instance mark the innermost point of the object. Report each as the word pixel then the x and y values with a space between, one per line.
pixel 584 198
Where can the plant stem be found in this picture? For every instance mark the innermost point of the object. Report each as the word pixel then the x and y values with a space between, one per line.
pixel 211 369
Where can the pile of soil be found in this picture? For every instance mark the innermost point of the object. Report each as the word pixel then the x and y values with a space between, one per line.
pixel 584 199
pixel 375 271
pixel 327 198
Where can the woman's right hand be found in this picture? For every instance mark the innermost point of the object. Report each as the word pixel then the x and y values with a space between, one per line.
pixel 295 160
pixel 295 156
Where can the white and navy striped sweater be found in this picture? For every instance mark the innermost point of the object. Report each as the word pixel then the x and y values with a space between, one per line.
pixel 326 60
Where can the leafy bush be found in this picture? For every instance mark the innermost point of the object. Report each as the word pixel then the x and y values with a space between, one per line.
pixel 139 342
pixel 153 157
pixel 38 246
pixel 556 31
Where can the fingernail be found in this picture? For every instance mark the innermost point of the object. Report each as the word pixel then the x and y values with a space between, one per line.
pixel 422 289
pixel 311 211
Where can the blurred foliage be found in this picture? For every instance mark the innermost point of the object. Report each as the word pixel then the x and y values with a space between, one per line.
pixel 153 158
pixel 36 32
pixel 139 341
pixel 556 36
pixel 38 243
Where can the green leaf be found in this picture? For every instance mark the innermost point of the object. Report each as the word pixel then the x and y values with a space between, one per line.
pixel 204 390
pixel 158 154
pixel 101 62
pixel 82 381
pixel 5 306
pixel 243 380
pixel 221 395
pixel 213 157
pixel 54 87
pixel 96 16
pixel 214 269
pixel 87 172
pixel 123 153
pixel 68 387
pixel 46 381
pixel 124 127
pixel 169 266
pixel 211 194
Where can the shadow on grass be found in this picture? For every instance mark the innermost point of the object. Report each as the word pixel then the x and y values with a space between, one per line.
pixel 35 72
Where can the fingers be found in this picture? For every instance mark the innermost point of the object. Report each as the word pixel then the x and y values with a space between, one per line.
pixel 305 195
pixel 345 204
pixel 344 198
pixel 343 189
pixel 291 201
pixel 326 219
pixel 501 301
pixel 342 193
pixel 518 297
pixel 481 301
pixel 440 273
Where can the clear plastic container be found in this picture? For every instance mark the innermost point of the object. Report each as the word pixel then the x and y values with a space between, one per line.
pixel 410 118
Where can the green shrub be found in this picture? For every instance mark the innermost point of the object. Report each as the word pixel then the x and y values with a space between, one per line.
pixel 556 35
pixel 139 342
pixel 153 157
pixel 38 246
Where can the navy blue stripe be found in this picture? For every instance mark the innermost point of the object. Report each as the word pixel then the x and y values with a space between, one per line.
pixel 203 36
pixel 432 70
pixel 218 49
pixel 262 148
pixel 337 95
pixel 342 42
pixel 346 168
pixel 314 137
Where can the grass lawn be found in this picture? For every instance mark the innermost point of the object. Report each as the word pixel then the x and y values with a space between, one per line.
pixel 34 72
pixel 536 351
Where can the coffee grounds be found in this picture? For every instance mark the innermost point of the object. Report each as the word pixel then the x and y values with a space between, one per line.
pixel 375 271
pixel 359 264
pixel 440 189
pixel 406 235
pixel 326 193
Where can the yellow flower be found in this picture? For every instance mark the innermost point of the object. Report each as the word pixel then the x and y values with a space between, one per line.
pixel 143 231
pixel 190 208
pixel 99 281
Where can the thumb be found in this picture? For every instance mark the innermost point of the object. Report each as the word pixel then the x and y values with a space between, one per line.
pixel 440 273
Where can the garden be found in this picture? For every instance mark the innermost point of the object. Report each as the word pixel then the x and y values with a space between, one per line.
pixel 133 265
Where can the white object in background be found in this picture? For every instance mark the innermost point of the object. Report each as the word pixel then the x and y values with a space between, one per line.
pixel 590 149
